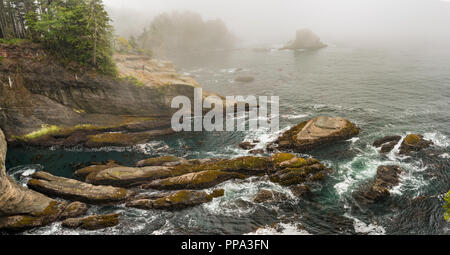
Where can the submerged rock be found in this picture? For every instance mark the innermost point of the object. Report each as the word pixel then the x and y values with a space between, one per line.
pixel 247 145
pixel 93 222
pixel 244 79
pixel 412 143
pixel 128 176
pixel 387 143
pixel 176 201
pixel 197 180
pixel 269 196
pixel 75 190
pixel 161 161
pixel 305 40
pixel 316 132
pixel 378 189
pixel 21 208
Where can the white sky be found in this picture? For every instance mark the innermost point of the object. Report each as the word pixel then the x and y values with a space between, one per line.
pixel 277 20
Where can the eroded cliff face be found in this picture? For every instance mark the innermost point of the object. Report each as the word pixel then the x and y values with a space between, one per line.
pixel 44 104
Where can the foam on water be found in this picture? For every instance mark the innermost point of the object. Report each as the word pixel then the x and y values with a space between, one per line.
pixel 283 229
pixel 363 228
pixel 438 139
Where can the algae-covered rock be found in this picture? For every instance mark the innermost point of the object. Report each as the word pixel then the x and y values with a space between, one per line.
pixel 75 190
pixel 161 161
pixel 128 176
pixel 296 170
pixel 176 201
pixel 93 222
pixel 316 132
pixel 197 180
pixel 21 208
pixel 412 143
pixel 73 210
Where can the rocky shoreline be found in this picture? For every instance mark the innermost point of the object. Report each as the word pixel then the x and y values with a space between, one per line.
pixel 181 182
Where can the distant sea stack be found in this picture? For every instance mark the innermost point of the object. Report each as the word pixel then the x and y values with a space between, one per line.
pixel 305 40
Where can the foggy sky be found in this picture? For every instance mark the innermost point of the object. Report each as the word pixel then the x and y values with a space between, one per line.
pixel 275 21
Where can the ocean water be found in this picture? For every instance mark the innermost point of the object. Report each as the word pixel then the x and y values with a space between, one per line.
pixel 385 90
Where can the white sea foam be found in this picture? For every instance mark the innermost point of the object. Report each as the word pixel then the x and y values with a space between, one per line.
pixel 286 229
pixel 371 228
pixel 294 116
pixel 438 139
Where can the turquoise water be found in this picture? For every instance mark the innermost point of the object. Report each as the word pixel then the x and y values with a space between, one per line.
pixel 385 90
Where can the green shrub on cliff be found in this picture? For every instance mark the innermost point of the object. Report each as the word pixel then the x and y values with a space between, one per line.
pixel 77 30
pixel 447 207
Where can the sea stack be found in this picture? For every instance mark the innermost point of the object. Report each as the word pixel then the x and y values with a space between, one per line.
pixel 305 40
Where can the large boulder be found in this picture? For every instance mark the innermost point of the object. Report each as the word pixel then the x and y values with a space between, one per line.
pixel 197 180
pixel 93 222
pixel 377 190
pixel 412 143
pixel 387 143
pixel 316 132
pixel 75 209
pixel 128 176
pixel 21 208
pixel 305 40
pixel 176 201
pixel 75 190
pixel 269 196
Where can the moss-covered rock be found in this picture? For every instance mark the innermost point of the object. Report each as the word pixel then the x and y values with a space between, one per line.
pixel 93 222
pixel 296 170
pixel 75 190
pixel 269 196
pixel 73 210
pixel 197 180
pixel 124 139
pixel 316 132
pixel 176 201
pixel 160 161
pixel 412 143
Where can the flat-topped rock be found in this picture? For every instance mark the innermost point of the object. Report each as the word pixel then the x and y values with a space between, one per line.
pixel 315 132
pixel 176 201
pixel 75 190
pixel 161 161
pixel 84 172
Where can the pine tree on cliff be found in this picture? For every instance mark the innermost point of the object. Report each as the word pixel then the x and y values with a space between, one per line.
pixel 78 30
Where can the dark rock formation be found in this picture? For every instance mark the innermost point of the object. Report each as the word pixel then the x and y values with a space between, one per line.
pixel 412 143
pixel 305 40
pixel 269 196
pixel 75 190
pixel 316 132
pixel 94 222
pixel 378 189
pixel 247 145
pixel 387 143
pixel 176 201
